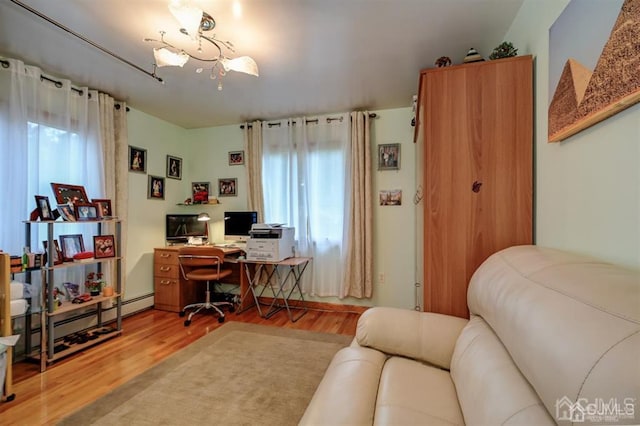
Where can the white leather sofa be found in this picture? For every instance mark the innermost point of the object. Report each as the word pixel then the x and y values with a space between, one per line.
pixel 553 338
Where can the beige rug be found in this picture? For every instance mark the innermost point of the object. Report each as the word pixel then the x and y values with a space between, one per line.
pixel 240 374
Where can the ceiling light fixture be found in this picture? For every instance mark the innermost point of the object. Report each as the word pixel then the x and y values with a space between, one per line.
pixel 196 23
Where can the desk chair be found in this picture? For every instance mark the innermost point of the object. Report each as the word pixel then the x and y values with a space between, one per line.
pixel 203 264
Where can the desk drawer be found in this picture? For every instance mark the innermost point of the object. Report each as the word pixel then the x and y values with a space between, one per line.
pixel 167 294
pixel 167 271
pixel 168 257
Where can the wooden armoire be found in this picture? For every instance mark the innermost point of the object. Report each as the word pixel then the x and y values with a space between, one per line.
pixel 475 122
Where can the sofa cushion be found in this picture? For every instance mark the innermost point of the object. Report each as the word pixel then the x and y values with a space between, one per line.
pixel 570 323
pixel 424 336
pixel 347 393
pixel 491 389
pixel 413 393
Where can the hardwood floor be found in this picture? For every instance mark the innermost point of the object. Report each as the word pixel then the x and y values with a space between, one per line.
pixel 148 338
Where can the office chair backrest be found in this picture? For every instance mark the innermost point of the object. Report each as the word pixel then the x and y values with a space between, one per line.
pixel 201 262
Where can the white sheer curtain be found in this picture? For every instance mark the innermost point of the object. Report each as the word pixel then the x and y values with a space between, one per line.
pixel 305 173
pixel 49 132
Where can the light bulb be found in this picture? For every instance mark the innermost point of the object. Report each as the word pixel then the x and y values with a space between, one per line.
pixel 220 86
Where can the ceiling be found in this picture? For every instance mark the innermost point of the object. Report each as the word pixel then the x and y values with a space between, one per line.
pixel 315 56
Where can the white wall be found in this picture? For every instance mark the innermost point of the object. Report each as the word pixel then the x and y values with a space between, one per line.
pixel 205 158
pixel 587 187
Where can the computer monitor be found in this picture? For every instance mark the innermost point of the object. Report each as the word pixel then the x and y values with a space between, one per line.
pixel 179 227
pixel 238 224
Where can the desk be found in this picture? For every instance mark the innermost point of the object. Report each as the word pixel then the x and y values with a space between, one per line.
pixel 276 278
pixel 173 292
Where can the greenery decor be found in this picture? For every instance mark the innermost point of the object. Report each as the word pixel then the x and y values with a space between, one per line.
pixel 504 50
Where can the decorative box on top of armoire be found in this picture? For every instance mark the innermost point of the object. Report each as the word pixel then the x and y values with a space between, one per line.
pixel 475 124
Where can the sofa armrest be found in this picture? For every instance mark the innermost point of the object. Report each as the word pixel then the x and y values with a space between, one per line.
pixel 423 336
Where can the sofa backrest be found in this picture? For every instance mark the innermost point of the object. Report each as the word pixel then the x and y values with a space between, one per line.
pixel 571 325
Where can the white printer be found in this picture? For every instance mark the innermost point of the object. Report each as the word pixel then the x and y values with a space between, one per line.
pixel 271 243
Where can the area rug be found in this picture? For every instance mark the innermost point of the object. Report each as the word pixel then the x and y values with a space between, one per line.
pixel 239 374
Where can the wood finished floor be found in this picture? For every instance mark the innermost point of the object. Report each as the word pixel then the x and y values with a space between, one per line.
pixel 148 338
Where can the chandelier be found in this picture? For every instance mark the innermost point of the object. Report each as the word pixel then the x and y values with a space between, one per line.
pixel 197 24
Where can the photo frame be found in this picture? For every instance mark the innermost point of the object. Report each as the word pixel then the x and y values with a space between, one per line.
pixel 137 159
pixel 66 193
pixel 174 167
pixel 71 245
pixel 389 156
pixel 200 192
pixel 236 158
pixel 44 208
pixel 155 188
pixel 57 254
pixel 67 212
pixel 85 212
pixel 390 197
pixel 104 208
pixel 104 246
pixel 227 187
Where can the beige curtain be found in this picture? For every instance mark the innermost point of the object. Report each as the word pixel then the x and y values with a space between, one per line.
pixel 114 142
pixel 358 280
pixel 253 161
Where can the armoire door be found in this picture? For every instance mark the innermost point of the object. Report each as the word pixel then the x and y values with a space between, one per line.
pixel 477 132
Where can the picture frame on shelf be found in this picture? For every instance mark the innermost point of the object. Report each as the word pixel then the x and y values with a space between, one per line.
pixel 227 187
pixel 104 208
pixel 389 156
pixel 67 212
pixel 155 188
pixel 71 245
pixel 86 212
pixel 44 208
pixel 236 158
pixel 174 167
pixel 104 246
pixel 66 193
pixel 137 159
pixel 57 258
pixel 200 192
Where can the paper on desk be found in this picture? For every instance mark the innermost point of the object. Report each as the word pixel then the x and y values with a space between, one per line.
pixel 9 340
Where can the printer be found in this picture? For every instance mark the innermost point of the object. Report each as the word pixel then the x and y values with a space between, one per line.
pixel 270 243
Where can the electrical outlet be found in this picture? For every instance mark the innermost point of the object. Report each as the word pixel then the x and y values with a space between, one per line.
pixel 381 278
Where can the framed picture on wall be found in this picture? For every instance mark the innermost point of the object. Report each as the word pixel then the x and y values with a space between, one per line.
pixel 236 158
pixel 227 187
pixel 174 167
pixel 155 188
pixel 389 156
pixel 137 159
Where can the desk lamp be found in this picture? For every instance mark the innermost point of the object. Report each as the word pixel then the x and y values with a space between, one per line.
pixel 204 217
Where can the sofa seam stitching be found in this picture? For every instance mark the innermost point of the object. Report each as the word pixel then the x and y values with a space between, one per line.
pixel 536 404
pixel 592 305
pixel 586 377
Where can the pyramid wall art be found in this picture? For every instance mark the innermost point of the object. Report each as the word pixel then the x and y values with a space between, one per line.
pixel 594 64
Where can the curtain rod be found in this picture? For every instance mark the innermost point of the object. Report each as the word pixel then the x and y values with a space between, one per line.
pixel 86 40
pixel 314 120
pixel 58 84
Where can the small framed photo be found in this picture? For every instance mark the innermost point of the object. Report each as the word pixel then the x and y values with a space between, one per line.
pixel 227 187
pixel 392 197
pixel 86 211
pixel 71 245
pixel 67 212
pixel 155 188
pixel 104 246
pixel 200 192
pixel 174 167
pixel 137 159
pixel 44 208
pixel 389 156
pixel 57 254
pixel 236 158
pixel 65 193
pixel 104 208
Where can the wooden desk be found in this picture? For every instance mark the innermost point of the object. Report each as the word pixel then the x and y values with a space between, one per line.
pixel 173 292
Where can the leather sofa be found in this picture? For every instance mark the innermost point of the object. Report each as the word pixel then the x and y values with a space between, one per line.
pixel 553 337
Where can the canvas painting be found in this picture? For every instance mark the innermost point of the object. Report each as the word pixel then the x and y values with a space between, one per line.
pixel 594 58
